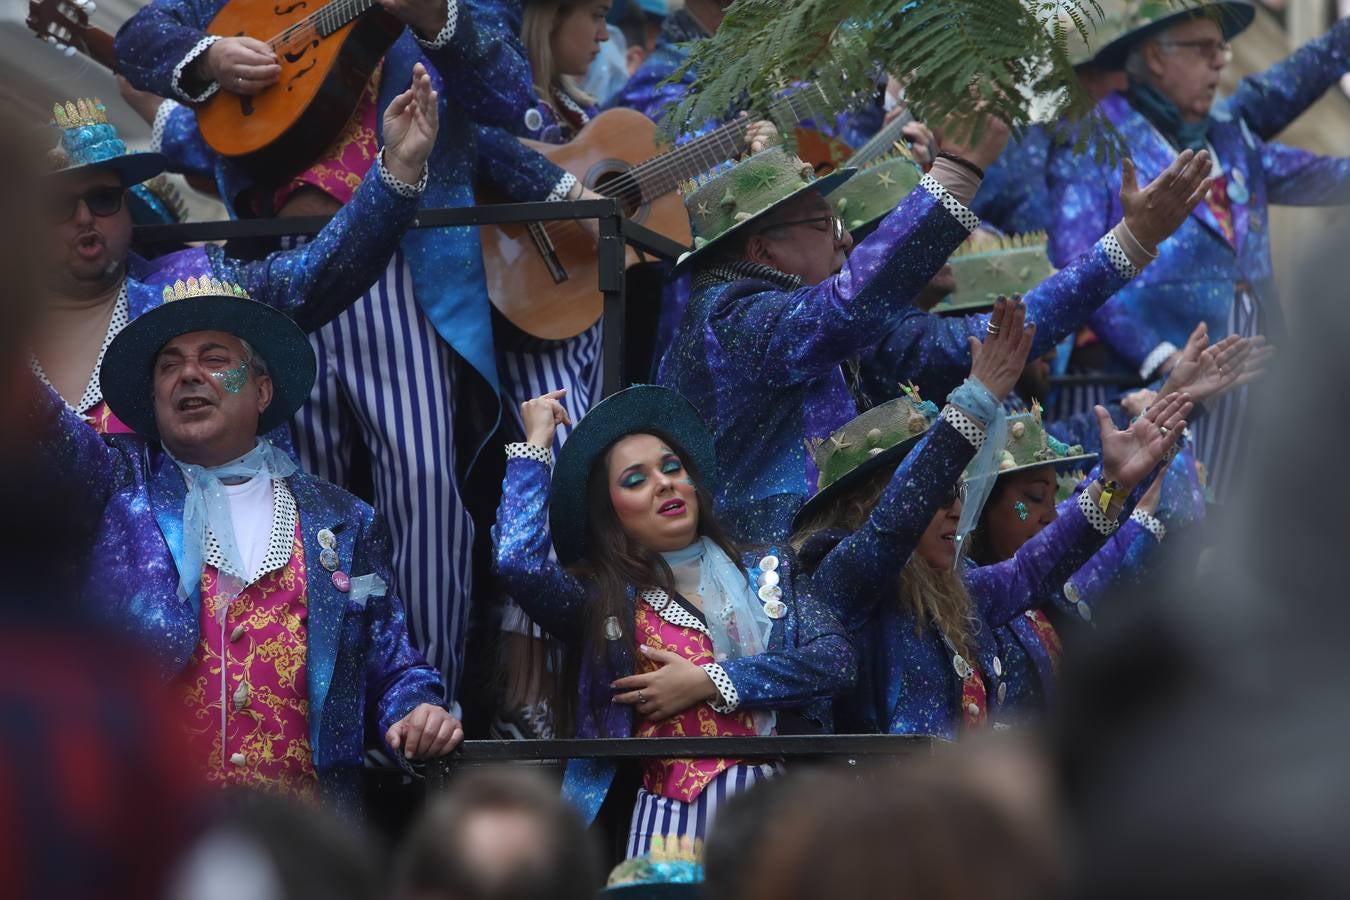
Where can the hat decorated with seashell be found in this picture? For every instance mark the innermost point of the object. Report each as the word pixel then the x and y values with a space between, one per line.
pixel 727 199
pixel 875 191
pixel 871 442
pixel 206 303
pixel 1029 445
pixel 1012 264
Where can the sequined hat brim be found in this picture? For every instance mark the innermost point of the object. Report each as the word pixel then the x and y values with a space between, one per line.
pixel 636 410
pixel 132 168
pixel 822 186
pixel 1057 463
pixel 658 891
pixel 859 474
pixel 127 375
pixel 1233 17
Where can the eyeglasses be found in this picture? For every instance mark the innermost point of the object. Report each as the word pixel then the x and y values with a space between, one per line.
pixel 1208 48
pixel 954 493
pixel 102 201
pixel 836 225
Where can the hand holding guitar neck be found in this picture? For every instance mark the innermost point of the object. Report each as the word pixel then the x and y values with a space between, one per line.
pixel 241 65
pixel 410 124
pixel 426 17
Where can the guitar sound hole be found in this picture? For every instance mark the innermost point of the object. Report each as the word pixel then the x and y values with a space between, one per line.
pixel 287 10
pixel 627 191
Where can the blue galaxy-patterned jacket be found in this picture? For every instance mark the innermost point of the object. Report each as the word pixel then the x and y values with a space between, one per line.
pixel 934 351
pixel 362 672
pixel 1015 196
pixel 1197 272
pixel 907 677
pixel 482 76
pixel 808 661
pixel 762 356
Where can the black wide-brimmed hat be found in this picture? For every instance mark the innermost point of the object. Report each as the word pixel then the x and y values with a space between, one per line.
pixel 641 409
pixel 1147 18
pixel 206 304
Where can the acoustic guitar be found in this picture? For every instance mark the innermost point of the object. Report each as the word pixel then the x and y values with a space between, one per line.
pixel 543 276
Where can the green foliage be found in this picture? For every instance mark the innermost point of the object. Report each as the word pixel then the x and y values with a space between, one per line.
pixel 950 53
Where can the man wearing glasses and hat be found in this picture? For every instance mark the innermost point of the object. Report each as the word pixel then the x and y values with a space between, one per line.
pixel 261 592
pixel 96 284
pixel 1217 268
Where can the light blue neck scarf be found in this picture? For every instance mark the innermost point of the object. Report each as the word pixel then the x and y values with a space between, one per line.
pixel 207 508
pixel 737 622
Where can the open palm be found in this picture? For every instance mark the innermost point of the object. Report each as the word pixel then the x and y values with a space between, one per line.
pixel 410 124
pixel 1129 455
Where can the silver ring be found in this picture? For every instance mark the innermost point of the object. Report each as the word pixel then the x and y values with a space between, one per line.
pixel 1163 430
pixel 641 698
pixel 992 329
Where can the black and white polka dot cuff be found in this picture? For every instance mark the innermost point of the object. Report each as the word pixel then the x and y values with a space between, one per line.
pixel 398 185
pixel 176 80
pixel 563 189
pixel 1116 253
pixel 526 450
pixel 447 32
pixel 722 681
pixel 968 427
pixel 1096 518
pixel 161 121
pixel 963 215
pixel 1155 527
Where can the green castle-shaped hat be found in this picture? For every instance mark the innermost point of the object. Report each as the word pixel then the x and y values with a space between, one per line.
pixel 874 191
pixel 1029 445
pixel 730 198
pixel 1014 264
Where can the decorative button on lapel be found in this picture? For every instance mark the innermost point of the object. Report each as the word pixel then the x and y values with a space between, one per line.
pixel 1085 611
pixel 769 578
pixel 768 563
pixel 613 631
pixel 342 582
pixel 327 540
pixel 329 560
pixel 962 667
pixel 1002 692
pixel 998 667
pixel 238 759
pixel 534 119
pixel 770 592
pixel 237 633
pixel 1070 592
pixel 775 609
pixel 973 708
pixel 241 695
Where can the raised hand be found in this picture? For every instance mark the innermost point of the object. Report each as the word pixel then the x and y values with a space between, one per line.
pixel 760 134
pixel 1152 214
pixel 410 124
pixel 674 687
pixel 957 135
pixel 425 732
pixel 1208 372
pixel 241 65
pixel 1129 456
pixel 998 362
pixel 542 416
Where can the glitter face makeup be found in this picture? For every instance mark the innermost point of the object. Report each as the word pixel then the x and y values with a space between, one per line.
pixel 1021 509
pixel 233 380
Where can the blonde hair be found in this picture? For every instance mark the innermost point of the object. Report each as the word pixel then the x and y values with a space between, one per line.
pixel 536 33
pixel 934 595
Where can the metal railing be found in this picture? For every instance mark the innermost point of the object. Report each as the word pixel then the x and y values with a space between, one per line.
pixel 616 232
pixel 848 748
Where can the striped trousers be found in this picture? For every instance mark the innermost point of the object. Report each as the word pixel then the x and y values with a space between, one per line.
pixel 529 368
pixel 1220 433
pixel 656 815
pixel 387 378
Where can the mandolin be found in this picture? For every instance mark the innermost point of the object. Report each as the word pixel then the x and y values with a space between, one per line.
pixel 543 276
pixel 327 52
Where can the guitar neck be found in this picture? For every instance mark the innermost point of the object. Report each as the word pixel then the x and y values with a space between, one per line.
pixel 667 171
pixel 879 144
pixel 99 46
pixel 338 13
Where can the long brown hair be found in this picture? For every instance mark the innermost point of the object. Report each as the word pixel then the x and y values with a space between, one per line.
pixel 934 595
pixel 614 561
pixel 536 33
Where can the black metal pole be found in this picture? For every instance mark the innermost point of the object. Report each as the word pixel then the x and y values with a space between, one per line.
pixel 612 275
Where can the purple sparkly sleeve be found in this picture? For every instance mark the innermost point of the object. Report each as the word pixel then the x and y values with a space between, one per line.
pixel 1085 199
pixel 73 448
pixel 521 542
pixel 485 64
pixel 1296 177
pixel 151 45
pixel 1007 589
pixel 316 281
pixel 789 337
pixel 179 139
pixel 862 569
pixel 520 172
pixel 1270 101
pixel 398 677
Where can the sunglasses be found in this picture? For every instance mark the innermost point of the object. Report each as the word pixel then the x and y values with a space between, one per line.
pixel 954 493
pixel 836 225
pixel 102 202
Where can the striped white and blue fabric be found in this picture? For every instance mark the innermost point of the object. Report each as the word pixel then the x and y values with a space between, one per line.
pixel 1219 433
pixel 655 815
pixel 536 368
pixel 387 378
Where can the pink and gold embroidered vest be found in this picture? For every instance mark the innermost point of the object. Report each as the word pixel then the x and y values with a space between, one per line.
pixel 974 700
pixel 1046 634
pixel 684 779
pixel 266 697
pixel 339 169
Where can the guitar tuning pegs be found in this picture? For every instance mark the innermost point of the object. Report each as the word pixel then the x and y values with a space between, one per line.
pixel 68 51
pixel 90 6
